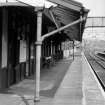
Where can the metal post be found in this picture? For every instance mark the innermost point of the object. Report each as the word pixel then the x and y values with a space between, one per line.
pixel 38 55
pixel 73 49
pixel 51 47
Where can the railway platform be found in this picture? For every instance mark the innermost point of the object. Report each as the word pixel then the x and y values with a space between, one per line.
pixel 78 86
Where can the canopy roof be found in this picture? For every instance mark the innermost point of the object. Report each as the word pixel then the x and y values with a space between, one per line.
pixel 64 12
pixel 70 4
pixel 34 3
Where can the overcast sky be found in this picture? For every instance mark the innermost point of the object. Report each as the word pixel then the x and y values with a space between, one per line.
pixel 97 7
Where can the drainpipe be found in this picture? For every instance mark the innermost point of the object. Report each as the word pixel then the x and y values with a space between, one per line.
pixel 80 26
pixel 38 54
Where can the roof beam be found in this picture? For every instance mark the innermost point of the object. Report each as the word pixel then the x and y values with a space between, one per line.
pixel 62 28
pixel 13 4
pixel 53 19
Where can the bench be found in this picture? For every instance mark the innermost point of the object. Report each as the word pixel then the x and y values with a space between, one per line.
pixel 47 61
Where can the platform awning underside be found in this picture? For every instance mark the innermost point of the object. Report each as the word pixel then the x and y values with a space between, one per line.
pixel 64 17
pixel 67 12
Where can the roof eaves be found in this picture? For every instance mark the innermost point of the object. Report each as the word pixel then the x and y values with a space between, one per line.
pixel 69 4
pixel 13 4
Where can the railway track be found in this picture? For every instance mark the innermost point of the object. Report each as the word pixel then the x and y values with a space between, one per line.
pixel 99 59
pixel 98 65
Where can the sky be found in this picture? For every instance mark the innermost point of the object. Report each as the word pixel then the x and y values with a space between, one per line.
pixel 97 7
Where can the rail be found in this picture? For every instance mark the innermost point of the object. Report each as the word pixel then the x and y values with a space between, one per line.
pixel 96 63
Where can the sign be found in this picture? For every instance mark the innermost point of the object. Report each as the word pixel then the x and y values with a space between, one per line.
pixel 67 45
pixel 22 51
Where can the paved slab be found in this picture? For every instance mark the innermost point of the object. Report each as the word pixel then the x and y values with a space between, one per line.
pixel 70 91
pixel 23 92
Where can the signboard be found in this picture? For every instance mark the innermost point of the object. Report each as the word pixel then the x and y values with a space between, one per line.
pixel 22 51
pixel 67 45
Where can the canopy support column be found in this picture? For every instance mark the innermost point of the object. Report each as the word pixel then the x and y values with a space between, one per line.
pixel 38 55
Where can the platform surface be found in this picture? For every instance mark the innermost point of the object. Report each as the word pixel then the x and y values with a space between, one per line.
pixel 78 87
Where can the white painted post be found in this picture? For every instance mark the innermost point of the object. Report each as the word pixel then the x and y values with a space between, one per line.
pixel 4 38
